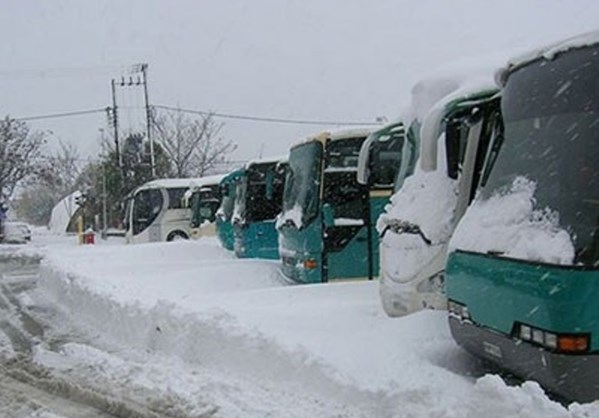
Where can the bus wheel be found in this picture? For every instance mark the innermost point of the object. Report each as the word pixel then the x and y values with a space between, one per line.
pixel 176 236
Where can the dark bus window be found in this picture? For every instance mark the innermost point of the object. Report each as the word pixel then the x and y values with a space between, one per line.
pixel 175 198
pixel 341 187
pixel 386 156
pixel 146 207
pixel 264 192
pixel 345 194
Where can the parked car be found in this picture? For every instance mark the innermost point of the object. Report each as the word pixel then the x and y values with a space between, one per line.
pixel 16 233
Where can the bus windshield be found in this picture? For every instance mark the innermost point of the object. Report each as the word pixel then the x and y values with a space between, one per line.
pixel 204 204
pixel 259 193
pixel 303 180
pixel 551 126
pixel 227 201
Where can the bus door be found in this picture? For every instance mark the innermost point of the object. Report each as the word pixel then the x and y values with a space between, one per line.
pixel 345 210
pixel 387 157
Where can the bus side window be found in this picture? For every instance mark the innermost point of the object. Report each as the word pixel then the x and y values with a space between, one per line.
pixel 175 198
pixel 456 137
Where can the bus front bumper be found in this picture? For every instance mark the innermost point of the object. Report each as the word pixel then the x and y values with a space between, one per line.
pixel 573 377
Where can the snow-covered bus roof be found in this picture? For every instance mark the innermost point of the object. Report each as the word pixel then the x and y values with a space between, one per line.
pixel 207 180
pixel 266 160
pixel 431 127
pixel 547 52
pixel 197 184
pixel 451 78
pixel 169 183
pixel 335 135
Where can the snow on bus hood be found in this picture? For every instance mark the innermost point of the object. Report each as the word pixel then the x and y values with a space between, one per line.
pixel 428 200
pixel 293 215
pixel 508 224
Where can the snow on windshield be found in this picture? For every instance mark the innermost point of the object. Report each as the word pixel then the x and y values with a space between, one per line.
pixel 428 200
pixel 295 215
pixel 508 224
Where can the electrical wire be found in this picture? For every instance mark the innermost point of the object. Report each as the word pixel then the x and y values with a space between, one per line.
pixel 206 113
pixel 266 119
pixel 63 115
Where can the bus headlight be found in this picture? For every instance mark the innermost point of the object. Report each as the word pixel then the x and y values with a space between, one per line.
pixel 458 310
pixel 562 343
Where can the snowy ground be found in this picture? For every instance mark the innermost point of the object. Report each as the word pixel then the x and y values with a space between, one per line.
pixel 184 329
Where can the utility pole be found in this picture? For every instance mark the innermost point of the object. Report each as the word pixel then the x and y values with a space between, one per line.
pixel 144 73
pixel 104 208
pixel 143 69
pixel 115 125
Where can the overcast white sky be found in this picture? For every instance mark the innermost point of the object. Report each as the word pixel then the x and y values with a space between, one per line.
pixel 349 60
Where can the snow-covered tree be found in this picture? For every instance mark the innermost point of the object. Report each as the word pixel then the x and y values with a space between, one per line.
pixel 20 152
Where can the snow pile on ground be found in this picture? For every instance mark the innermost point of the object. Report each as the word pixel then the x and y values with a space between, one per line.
pixel 508 224
pixel 209 330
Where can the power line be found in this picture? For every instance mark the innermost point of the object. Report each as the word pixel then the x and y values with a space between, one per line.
pixel 63 115
pixel 206 113
pixel 267 119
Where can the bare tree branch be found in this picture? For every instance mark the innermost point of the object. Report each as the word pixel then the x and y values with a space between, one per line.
pixel 20 150
pixel 193 146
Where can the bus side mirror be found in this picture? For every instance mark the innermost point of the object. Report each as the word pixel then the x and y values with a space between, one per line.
pixel 363 173
pixel 328 217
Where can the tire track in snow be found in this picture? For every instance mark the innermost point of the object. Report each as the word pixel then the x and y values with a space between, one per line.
pixel 27 387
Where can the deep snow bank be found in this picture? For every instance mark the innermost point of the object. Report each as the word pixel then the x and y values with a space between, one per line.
pixel 192 301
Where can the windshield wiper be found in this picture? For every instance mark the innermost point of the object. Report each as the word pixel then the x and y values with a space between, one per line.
pixel 405 227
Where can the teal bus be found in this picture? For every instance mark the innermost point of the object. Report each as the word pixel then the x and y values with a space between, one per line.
pixel 522 277
pixel 326 228
pixel 224 226
pixel 258 201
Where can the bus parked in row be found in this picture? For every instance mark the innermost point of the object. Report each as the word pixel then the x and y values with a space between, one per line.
pixel 325 228
pixel 258 200
pixel 417 225
pixel 156 211
pixel 204 200
pixel 523 271
pixel 224 214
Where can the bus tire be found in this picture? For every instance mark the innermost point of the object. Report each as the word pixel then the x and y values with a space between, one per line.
pixel 176 235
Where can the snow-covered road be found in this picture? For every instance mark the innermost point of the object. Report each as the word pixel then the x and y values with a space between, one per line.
pixel 186 330
pixel 28 388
